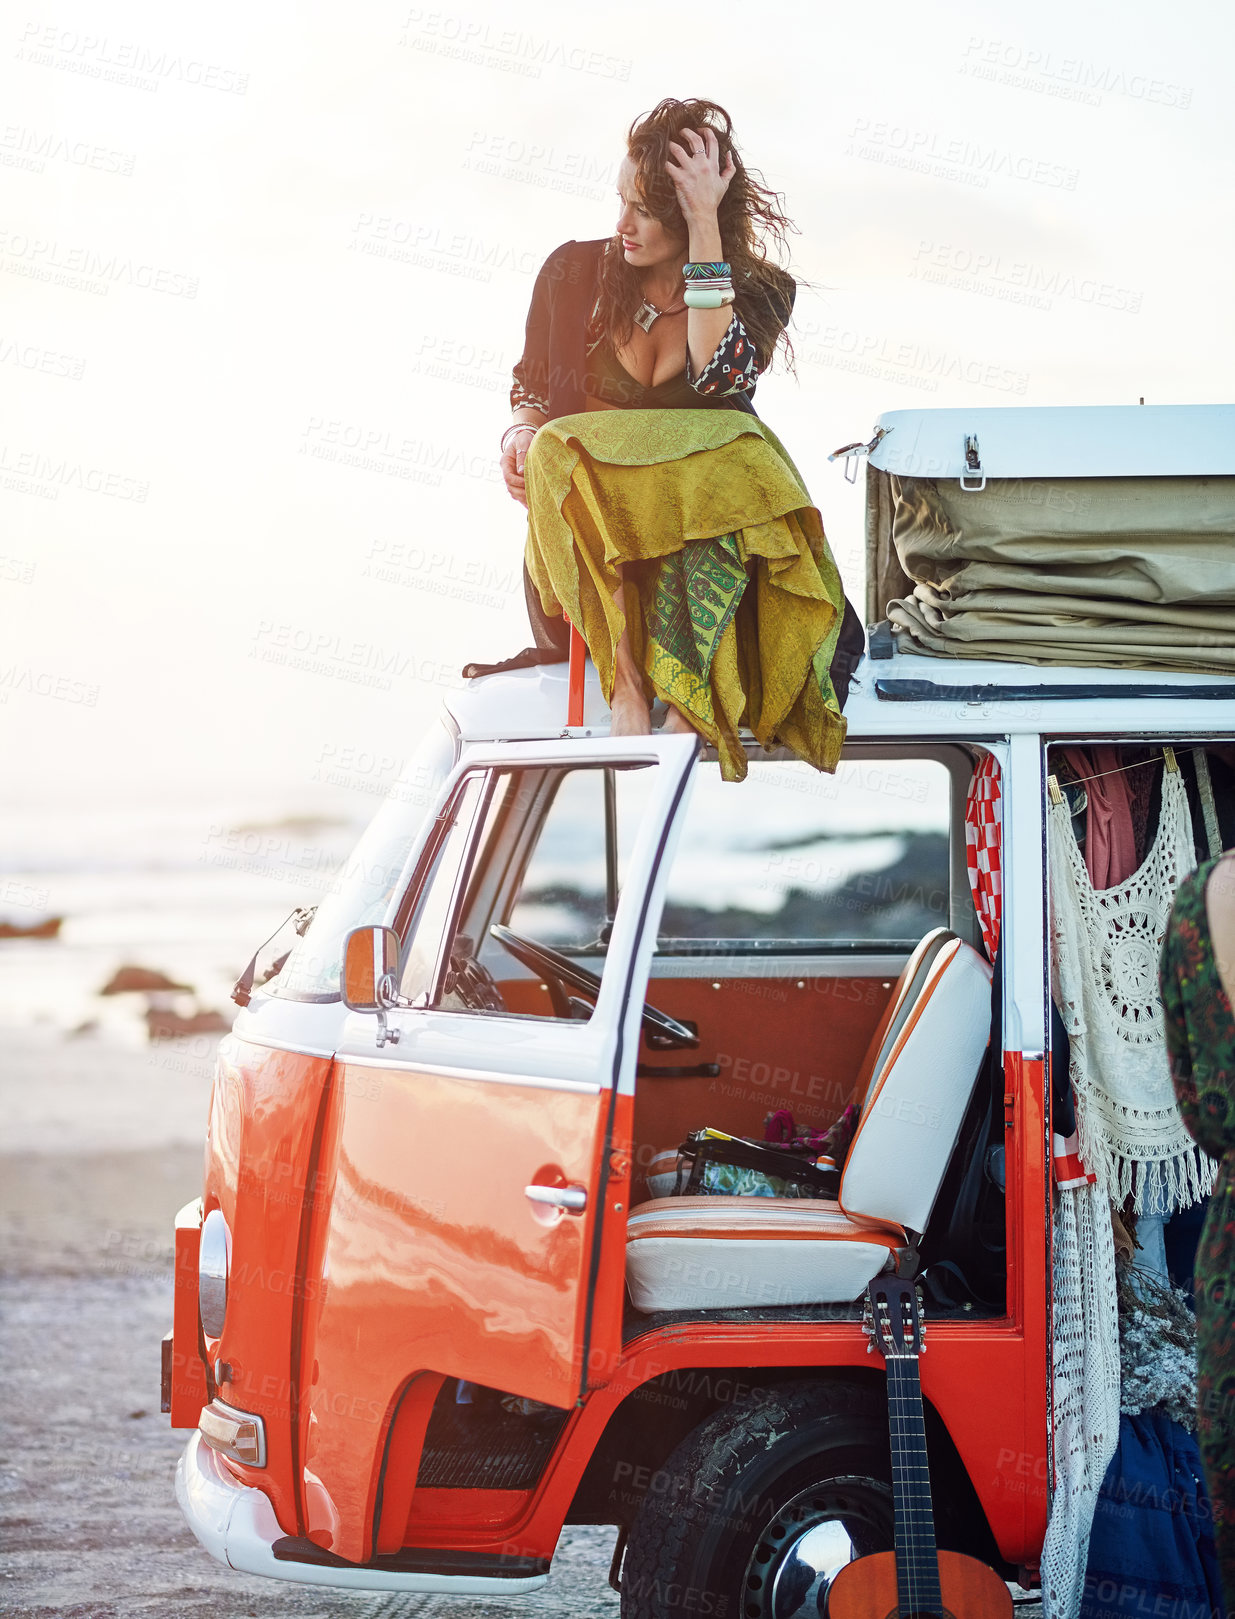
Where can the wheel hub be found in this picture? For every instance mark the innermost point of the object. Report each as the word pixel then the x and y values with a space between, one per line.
pixel 810 1539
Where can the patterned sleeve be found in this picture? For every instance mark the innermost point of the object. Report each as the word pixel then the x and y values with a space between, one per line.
pixel 737 363
pixel 733 369
pixel 1178 1051
pixel 1196 1021
pixel 531 372
pixel 521 394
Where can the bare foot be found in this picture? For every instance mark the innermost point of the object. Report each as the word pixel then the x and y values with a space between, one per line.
pixel 676 723
pixel 629 715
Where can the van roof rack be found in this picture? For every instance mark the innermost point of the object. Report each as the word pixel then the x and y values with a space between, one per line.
pixel 1054 441
pixel 931 691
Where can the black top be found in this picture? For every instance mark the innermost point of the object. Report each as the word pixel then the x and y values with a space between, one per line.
pixel 609 381
pixel 557 374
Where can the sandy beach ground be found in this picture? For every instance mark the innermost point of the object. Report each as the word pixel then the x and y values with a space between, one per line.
pixel 101 1143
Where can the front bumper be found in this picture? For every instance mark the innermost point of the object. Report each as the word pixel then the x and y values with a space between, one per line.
pixel 237 1525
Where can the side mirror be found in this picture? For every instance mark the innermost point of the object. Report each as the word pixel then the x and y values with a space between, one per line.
pixel 371 975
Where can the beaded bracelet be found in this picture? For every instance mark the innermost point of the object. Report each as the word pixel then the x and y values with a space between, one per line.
pixel 717 270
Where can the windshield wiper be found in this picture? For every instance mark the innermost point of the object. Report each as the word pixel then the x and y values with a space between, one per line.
pixel 242 989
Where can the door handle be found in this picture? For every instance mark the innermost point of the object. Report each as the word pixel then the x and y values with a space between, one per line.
pixel 571 1198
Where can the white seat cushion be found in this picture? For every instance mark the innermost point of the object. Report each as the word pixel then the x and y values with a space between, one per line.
pixel 904 997
pixel 916 1102
pixel 718 1253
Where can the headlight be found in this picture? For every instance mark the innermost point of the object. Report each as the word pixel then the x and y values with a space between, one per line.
pixel 213 1263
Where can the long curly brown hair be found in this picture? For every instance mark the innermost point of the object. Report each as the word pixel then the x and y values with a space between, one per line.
pixel 749 216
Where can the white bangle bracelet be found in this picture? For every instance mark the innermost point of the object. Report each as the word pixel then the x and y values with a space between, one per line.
pixel 706 298
pixel 518 427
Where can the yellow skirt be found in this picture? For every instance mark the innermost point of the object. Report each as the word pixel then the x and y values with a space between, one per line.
pixel 732 599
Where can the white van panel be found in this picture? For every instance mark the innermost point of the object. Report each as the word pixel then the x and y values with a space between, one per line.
pixel 1060 441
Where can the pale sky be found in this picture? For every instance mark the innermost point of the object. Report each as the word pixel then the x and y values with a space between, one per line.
pixel 264 272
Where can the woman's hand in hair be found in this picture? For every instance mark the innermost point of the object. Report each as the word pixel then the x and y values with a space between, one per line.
pixel 695 169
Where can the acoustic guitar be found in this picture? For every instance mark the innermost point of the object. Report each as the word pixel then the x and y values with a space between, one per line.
pixel 916 1579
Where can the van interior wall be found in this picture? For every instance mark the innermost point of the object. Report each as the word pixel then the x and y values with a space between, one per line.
pixel 794 1043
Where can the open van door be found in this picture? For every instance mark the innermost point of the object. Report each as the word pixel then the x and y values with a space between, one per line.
pixel 474 1167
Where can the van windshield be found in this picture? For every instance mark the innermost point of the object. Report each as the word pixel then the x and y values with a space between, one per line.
pixel 795 859
pixel 365 883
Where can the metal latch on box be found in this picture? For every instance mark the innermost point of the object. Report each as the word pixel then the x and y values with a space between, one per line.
pixel 973 466
pixel 853 453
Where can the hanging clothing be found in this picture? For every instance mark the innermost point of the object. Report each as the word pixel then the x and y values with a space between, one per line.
pixel 1085 1377
pixel 740 629
pixel 1200 1038
pixel 1151 1549
pixel 983 830
pixel 1143 796
pixel 1070 1171
pixel 1110 839
pixel 1105 945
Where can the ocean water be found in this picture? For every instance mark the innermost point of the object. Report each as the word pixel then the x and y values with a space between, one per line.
pixel 188 892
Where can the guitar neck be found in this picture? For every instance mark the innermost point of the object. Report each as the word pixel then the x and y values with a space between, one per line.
pixel 917 1563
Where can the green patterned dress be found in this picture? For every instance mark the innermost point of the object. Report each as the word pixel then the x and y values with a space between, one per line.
pixel 1200 1041
pixel 728 589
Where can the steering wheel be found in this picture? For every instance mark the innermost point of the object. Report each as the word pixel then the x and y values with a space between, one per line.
pixel 559 970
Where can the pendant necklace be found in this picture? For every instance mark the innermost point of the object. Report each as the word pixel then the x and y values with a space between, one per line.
pixel 647 312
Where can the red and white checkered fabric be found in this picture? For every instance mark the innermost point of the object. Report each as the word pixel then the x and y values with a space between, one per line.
pixel 1070 1171
pixel 983 819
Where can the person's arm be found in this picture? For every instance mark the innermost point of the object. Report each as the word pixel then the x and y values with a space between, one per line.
pixel 515 449
pixel 706 329
pixel 1178 1050
pixel 1183 949
pixel 734 366
pixel 738 363
pixel 529 393
pixel 721 357
pixel 700 183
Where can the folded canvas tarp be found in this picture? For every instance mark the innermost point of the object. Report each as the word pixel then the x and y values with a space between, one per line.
pixel 1118 572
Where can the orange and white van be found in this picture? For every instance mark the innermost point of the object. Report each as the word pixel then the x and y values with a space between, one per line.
pixel 428 1308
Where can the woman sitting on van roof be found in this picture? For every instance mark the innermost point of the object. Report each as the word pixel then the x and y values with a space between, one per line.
pixel 683 544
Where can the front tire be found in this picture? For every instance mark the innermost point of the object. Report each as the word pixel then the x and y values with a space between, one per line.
pixel 756 1509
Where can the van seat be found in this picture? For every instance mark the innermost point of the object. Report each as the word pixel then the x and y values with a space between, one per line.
pixel 661 1176
pixel 724 1253
pixel 704 1253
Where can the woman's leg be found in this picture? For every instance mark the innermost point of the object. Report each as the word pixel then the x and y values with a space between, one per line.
pixel 676 723
pixel 631 715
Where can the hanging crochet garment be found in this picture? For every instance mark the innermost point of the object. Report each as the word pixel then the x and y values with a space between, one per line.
pixel 1085 1388
pixel 1105 945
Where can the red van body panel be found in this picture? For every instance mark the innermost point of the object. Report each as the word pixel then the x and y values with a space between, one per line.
pixel 261 1171
pixel 415 1281
pixel 1002 1439
pixel 187 1393
pixel 432 1260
